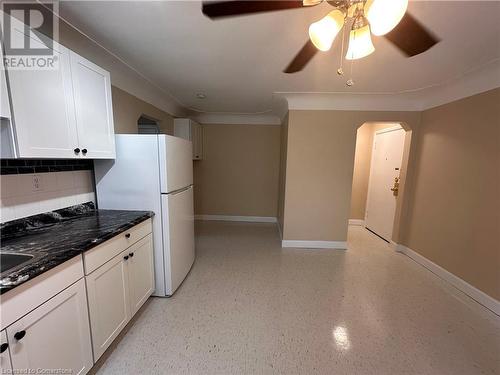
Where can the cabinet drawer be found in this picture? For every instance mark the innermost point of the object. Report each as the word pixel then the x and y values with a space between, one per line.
pixel 28 296
pixel 99 255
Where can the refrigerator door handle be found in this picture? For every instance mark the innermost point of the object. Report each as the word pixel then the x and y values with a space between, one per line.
pixel 178 191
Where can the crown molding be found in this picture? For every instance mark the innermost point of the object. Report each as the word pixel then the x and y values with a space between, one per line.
pixel 484 78
pixel 236 118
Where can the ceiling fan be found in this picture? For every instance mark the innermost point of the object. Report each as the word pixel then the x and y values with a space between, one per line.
pixel 387 18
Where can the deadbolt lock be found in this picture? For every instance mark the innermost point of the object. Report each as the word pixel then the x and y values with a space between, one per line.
pixel 395 188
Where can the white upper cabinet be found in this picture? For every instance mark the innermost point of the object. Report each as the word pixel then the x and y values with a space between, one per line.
pixel 4 94
pixel 192 131
pixel 64 112
pixel 43 108
pixel 94 111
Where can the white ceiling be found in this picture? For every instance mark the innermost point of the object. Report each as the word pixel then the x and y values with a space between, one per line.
pixel 238 62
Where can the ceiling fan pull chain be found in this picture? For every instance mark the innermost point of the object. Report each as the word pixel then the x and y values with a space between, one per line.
pixel 340 70
pixel 350 81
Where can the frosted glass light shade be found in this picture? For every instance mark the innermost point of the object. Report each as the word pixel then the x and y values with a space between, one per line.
pixel 384 15
pixel 360 43
pixel 309 3
pixel 323 32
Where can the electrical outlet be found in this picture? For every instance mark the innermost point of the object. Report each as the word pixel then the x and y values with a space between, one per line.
pixel 37 183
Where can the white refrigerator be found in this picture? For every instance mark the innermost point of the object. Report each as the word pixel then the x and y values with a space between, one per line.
pixel 155 173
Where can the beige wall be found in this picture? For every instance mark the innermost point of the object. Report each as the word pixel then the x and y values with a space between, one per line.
pixel 362 163
pixel 282 172
pixel 454 216
pixel 320 162
pixel 127 109
pixel 239 171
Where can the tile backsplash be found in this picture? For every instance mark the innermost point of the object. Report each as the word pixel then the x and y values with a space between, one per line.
pixel 30 187
pixel 17 166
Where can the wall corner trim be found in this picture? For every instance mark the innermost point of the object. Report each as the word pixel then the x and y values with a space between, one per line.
pixel 250 219
pixel 339 245
pixel 359 222
pixel 477 295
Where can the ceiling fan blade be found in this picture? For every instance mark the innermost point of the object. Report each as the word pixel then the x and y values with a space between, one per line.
pixel 218 9
pixel 302 58
pixel 411 37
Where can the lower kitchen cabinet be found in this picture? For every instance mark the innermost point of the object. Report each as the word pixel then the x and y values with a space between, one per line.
pixel 107 289
pixel 117 289
pixel 55 335
pixel 141 272
pixel 5 365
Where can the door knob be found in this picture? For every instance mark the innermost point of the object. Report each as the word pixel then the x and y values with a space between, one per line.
pixel 131 254
pixel 125 257
pixel 4 347
pixel 84 151
pixel 76 150
pixel 395 188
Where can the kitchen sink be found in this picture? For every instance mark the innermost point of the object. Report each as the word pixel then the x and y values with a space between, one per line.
pixel 10 261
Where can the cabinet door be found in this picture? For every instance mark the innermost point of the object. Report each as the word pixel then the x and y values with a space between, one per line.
pixel 94 110
pixel 108 293
pixel 197 139
pixel 141 274
pixel 4 95
pixel 56 334
pixel 5 365
pixel 43 106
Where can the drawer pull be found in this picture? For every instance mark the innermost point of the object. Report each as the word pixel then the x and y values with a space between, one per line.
pixel 19 335
pixel 4 347
pixel 127 235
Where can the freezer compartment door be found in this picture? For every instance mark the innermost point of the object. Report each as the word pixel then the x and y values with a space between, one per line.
pixel 176 163
pixel 178 232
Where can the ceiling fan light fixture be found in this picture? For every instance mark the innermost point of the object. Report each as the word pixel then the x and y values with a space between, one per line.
pixel 323 32
pixel 360 43
pixel 310 3
pixel 384 15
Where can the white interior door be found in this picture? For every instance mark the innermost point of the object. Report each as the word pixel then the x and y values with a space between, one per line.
pixel 387 155
pixel 178 229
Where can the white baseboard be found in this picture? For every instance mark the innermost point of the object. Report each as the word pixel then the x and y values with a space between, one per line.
pixel 359 222
pixel 341 245
pixel 280 231
pixel 252 219
pixel 489 302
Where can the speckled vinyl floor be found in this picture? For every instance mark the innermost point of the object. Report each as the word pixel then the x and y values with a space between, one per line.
pixel 250 307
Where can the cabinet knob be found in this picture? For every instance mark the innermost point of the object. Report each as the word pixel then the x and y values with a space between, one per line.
pixel 77 150
pixel 125 257
pixel 131 255
pixel 127 235
pixel 4 347
pixel 19 335
pixel 84 151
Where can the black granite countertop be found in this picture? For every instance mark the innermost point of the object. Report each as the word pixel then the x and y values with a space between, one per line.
pixel 55 237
